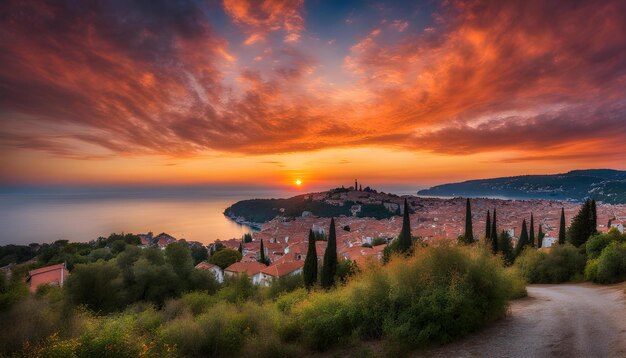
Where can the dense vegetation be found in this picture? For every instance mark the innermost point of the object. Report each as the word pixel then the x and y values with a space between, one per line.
pixel 437 294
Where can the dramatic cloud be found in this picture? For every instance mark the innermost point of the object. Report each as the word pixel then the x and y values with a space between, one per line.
pixel 259 18
pixel 93 79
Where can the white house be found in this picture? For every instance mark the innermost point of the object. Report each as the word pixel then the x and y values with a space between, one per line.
pixel 276 271
pixel 216 270
pixel 251 268
pixel 619 226
pixel 548 241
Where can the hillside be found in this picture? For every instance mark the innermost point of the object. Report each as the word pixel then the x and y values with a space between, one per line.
pixel 333 203
pixel 604 185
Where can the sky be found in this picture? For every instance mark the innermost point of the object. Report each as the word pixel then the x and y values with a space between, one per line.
pixel 265 92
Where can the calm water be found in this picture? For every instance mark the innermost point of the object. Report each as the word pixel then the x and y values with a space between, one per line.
pixel 81 215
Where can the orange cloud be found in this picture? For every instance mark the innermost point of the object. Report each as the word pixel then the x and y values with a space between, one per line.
pixel 259 18
pixel 484 77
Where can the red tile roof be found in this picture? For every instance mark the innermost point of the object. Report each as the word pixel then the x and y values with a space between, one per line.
pixel 205 266
pixel 45 269
pixel 282 269
pixel 250 268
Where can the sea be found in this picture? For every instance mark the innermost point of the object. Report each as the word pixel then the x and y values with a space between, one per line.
pixel 81 214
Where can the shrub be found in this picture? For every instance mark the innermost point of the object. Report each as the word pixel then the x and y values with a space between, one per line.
pixel 286 301
pixel 324 319
pixel 610 267
pixel 113 337
pixel 597 243
pixel 563 263
pixel 198 302
pixel 285 284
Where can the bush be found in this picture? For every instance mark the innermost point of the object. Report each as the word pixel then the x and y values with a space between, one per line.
pixel 597 243
pixel 440 293
pixel 563 263
pixel 610 267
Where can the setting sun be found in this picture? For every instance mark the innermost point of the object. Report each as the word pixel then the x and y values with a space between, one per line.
pixel 298 182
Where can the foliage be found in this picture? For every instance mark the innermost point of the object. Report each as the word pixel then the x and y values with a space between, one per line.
pixel 404 239
pixel 468 235
pixel 376 211
pixel 263 259
pixel 493 236
pixel 329 266
pixel 199 253
pixel 506 248
pixel 610 266
pixel 531 233
pixel 583 225
pixel 523 240
pixel 377 241
pixel 310 262
pixel 225 257
pixel 562 263
pixel 562 229
pixel 598 242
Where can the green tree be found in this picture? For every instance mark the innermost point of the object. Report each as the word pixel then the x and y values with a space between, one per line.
pixel 329 267
pixel 562 229
pixel 468 237
pixel 531 234
pixel 240 248
pixel 199 253
pixel 404 239
pixel 594 218
pixel 310 263
pixel 488 226
pixel 262 258
pixel 154 281
pixel 506 247
pixel 540 236
pixel 178 255
pixel 225 258
pixel 523 239
pixel 98 286
pixel 580 230
pixel 494 233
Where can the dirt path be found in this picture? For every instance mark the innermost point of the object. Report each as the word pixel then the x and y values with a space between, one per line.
pixel 566 320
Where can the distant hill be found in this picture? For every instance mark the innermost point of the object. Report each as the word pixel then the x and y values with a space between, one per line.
pixel 332 203
pixel 604 185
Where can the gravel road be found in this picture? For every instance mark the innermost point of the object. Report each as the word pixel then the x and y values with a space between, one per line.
pixel 566 320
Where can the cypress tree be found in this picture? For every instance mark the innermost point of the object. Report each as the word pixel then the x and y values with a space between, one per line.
pixel 309 270
pixel 468 238
pixel 404 239
pixel 488 226
pixel 581 229
pixel 494 233
pixel 262 259
pixel 240 248
pixel 531 234
pixel 523 239
pixel 540 237
pixel 594 218
pixel 329 267
pixel 562 228
pixel 506 247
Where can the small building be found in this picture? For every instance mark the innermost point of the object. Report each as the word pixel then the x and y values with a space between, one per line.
pixel 49 275
pixel 216 270
pixel 548 241
pixel 284 269
pixel 252 269
pixel 619 225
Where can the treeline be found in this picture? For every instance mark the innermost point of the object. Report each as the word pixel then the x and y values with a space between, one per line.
pixel 581 253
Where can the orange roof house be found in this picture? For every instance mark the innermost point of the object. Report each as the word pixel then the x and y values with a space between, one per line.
pixel 252 269
pixel 49 275
pixel 280 270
